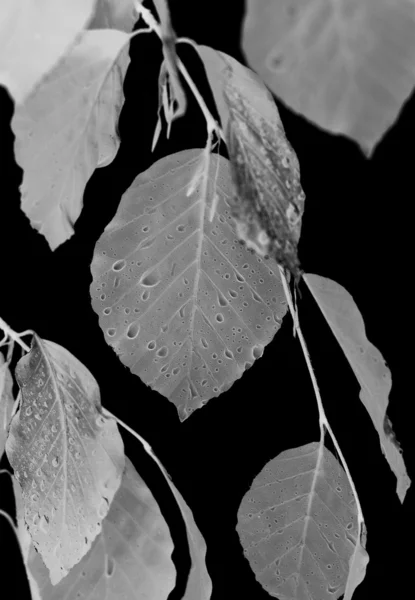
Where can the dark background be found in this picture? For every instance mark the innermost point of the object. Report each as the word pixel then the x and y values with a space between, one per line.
pixel 356 230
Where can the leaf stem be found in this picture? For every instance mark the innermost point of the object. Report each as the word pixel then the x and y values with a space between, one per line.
pixel 9 333
pixel 212 125
pixel 323 422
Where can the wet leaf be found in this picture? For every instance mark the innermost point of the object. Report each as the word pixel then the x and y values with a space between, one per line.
pixel 67 457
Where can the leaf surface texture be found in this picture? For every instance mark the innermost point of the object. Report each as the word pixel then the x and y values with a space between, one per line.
pixel 298 525
pixel 67 457
pixel 185 305
pixel 34 36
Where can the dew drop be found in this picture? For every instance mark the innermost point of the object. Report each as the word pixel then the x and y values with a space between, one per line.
pixel 145 295
pixel 204 343
pixel 150 280
pixel 219 318
pixel 119 265
pixel 162 352
pixel 175 371
pixel 28 411
pixel 151 345
pixel 107 311
pixel 133 330
pixel 55 461
pixel 111 332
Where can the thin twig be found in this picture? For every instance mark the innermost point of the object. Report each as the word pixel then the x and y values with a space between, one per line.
pixel 9 333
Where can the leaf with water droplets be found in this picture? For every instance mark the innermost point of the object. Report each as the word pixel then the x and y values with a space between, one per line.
pixel 299 526
pixel 185 305
pixel 130 558
pixel 67 457
pixel 6 402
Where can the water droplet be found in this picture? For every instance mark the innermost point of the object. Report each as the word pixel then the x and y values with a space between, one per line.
pixel 53 429
pixel 151 345
pixel 36 519
pixel 77 455
pixel 55 461
pixel 28 411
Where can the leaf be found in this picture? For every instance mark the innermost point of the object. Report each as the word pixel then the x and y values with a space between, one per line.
pixel 185 306
pixel 374 377
pixel 6 402
pixel 348 67
pixel 130 558
pixel 67 129
pixel 34 36
pixel 269 201
pixel 298 525
pixel 67 458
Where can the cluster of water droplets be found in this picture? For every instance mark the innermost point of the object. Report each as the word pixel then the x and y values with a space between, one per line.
pixel 182 302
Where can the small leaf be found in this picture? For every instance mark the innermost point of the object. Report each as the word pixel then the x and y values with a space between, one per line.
pixel 34 36
pixel 6 402
pixel 67 128
pixel 346 66
pixel 372 373
pixel 67 457
pixel 298 525
pixel 268 201
pixel 130 558
pixel 184 304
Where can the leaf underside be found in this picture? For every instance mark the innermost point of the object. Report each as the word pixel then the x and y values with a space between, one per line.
pixel 184 304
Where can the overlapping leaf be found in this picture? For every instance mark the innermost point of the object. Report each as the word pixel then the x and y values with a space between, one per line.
pixel 67 458
pixel 131 557
pixel 67 128
pixel 347 66
pixel 373 375
pixel 185 306
pixel 298 525
pixel 34 36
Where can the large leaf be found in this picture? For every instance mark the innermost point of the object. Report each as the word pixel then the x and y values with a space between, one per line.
pixel 67 128
pixel 67 457
pixel 34 36
pixel 185 306
pixel 6 401
pixel 298 526
pixel 131 557
pixel 374 377
pixel 347 66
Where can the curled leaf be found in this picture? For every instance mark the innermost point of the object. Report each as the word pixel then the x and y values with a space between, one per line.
pixel 67 457
pixel 6 402
pixel 34 37
pixel 372 373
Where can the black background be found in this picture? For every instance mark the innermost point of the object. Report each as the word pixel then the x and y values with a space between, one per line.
pixel 356 230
